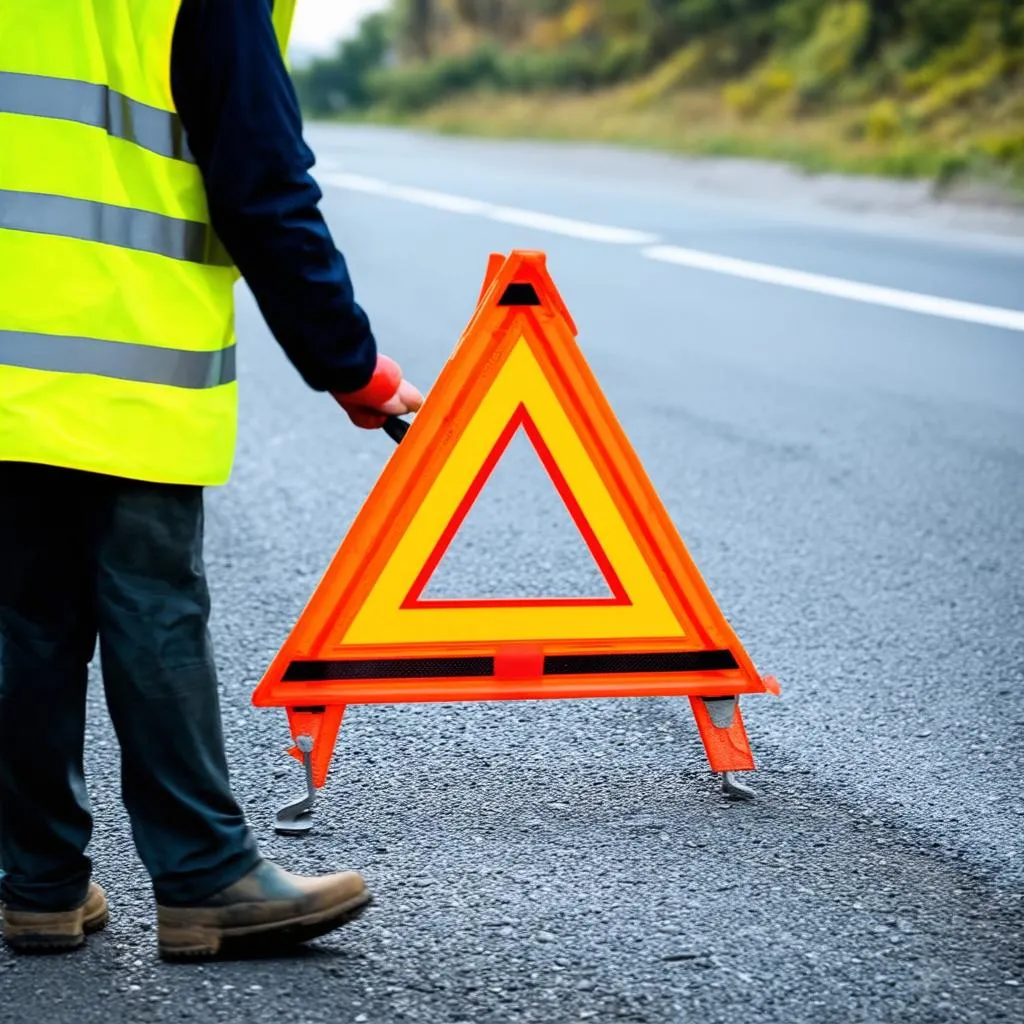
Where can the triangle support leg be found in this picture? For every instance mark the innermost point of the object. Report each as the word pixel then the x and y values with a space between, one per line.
pixel 315 731
pixel 725 741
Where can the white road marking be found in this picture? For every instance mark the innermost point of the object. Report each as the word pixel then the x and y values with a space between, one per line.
pixel 837 287
pixel 477 207
pixel 857 291
pixel 574 228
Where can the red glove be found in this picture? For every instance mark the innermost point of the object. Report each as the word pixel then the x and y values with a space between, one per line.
pixel 361 405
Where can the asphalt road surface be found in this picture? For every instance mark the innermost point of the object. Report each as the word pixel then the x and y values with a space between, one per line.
pixel 845 462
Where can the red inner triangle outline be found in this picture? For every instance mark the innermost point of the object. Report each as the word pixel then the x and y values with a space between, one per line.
pixel 520 418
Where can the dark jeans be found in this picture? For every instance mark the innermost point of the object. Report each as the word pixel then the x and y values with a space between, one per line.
pixel 85 557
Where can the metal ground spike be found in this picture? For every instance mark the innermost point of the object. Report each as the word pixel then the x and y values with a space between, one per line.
pixel 296 818
pixel 734 789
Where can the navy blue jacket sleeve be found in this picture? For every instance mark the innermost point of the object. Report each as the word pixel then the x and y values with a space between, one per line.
pixel 239 111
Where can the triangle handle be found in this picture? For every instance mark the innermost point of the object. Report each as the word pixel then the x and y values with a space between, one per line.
pixel 396 428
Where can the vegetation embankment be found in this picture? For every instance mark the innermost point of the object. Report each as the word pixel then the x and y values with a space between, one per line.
pixel 908 88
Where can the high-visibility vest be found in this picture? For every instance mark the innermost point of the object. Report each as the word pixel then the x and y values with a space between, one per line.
pixel 117 342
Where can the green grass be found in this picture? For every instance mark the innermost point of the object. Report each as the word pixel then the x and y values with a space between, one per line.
pixel 700 123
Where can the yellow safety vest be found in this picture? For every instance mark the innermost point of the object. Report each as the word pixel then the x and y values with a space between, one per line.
pixel 117 342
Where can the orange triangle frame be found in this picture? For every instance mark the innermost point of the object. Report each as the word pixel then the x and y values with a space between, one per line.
pixel 332 658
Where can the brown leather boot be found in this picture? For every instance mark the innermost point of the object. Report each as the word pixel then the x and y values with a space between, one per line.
pixel 31 931
pixel 267 910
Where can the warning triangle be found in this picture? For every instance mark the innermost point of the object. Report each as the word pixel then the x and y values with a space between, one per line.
pixel 371 633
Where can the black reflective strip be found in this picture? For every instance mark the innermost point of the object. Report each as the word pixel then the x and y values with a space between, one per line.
pixel 68 99
pixel 112 225
pixel 519 295
pixel 640 662
pixel 388 668
pixel 146 364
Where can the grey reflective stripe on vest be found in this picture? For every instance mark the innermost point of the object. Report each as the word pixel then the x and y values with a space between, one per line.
pixel 68 99
pixel 145 364
pixel 114 225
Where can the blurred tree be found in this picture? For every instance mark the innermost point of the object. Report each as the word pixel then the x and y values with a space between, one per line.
pixel 482 14
pixel 415 23
pixel 335 83
pixel 939 22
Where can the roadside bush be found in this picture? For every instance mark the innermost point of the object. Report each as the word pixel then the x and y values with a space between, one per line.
pixel 966 53
pixel 689 66
pixel 547 71
pixel 413 87
pixel 764 86
pixel 939 23
pixel 571 69
pixel 833 49
pixel 882 122
pixel 1004 148
pixel 621 60
pixel 956 90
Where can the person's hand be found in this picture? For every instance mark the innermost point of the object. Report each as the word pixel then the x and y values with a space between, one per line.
pixel 387 394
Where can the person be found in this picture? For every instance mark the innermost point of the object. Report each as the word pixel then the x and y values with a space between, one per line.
pixel 153 154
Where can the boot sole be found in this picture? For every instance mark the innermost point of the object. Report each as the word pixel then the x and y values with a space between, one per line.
pixel 41 943
pixel 203 943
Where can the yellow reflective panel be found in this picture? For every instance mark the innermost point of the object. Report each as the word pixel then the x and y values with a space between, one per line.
pixel 383 620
